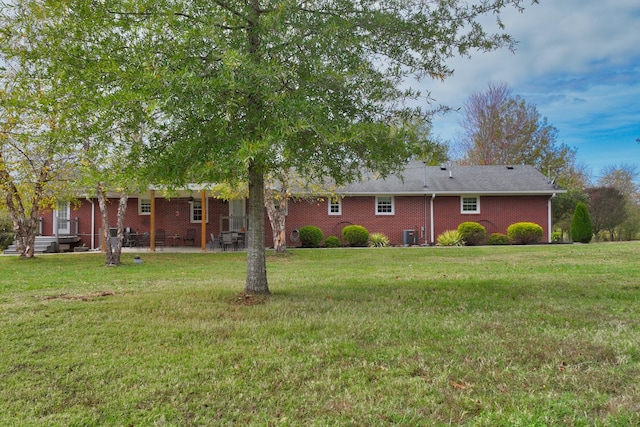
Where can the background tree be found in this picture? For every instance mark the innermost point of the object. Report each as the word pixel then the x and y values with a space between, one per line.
pixel 245 88
pixel 36 158
pixel 625 179
pixel 564 207
pixel 607 207
pixel 499 128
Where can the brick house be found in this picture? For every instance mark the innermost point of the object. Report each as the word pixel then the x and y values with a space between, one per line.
pixel 413 209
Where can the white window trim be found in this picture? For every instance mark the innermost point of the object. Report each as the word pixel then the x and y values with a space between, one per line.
pixel 193 221
pixel 336 201
pixel 141 202
pixel 393 205
pixel 469 196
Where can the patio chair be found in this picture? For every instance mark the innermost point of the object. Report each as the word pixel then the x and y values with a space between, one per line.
pixel 161 237
pixel 228 241
pixel 213 242
pixel 142 240
pixel 190 237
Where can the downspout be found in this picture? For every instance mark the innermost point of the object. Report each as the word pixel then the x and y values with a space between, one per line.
pixel 93 222
pixel 433 196
pixel 550 217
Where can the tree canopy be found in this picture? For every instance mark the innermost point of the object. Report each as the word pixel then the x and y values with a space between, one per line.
pixel 500 128
pixel 240 89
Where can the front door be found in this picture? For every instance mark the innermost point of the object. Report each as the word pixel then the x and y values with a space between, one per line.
pixel 237 215
pixel 63 214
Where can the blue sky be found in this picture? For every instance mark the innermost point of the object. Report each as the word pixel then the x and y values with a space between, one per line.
pixel 578 62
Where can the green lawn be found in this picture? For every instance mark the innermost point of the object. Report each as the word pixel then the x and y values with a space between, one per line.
pixel 482 336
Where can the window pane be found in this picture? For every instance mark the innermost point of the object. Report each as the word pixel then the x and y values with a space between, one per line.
pixel 384 205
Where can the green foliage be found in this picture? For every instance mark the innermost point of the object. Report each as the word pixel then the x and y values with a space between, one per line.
pixel 355 235
pixel 6 231
pixel 556 237
pixel 472 233
pixel 581 228
pixel 310 236
pixel 332 242
pixel 378 240
pixel 498 239
pixel 522 233
pixel 450 238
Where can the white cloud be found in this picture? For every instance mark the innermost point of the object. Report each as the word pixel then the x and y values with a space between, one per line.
pixel 577 61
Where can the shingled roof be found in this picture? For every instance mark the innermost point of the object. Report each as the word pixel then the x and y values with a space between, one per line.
pixel 418 179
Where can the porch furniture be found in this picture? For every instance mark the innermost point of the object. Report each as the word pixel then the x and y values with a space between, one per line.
pixel 241 240
pixel 228 241
pixel 161 237
pixel 175 240
pixel 142 240
pixel 190 237
pixel 214 242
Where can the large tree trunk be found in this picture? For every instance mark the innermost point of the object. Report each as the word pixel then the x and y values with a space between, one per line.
pixel 256 259
pixel 106 235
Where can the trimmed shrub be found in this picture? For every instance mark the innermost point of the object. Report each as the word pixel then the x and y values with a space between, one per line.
pixel 498 239
pixel 581 228
pixel 450 238
pixel 556 237
pixel 522 233
pixel 378 240
pixel 310 236
pixel 355 235
pixel 332 242
pixel 472 233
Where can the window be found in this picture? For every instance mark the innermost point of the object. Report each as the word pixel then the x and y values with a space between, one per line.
pixel 470 204
pixel 195 211
pixel 335 206
pixel 144 206
pixel 384 205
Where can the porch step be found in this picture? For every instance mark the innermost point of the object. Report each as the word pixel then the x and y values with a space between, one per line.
pixel 43 244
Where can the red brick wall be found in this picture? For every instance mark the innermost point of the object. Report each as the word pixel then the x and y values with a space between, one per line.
pixel 496 213
pixel 411 213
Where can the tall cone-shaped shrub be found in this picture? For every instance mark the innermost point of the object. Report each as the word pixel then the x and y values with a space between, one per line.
pixel 581 228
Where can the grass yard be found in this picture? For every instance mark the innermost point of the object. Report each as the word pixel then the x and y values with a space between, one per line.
pixel 481 336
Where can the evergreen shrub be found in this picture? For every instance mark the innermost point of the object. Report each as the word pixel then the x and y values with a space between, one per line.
pixel 355 235
pixel 498 239
pixel 472 233
pixel 581 227
pixel 332 242
pixel 522 233
pixel 310 236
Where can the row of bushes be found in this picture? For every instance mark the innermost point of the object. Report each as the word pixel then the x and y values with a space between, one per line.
pixel 472 234
pixel 353 235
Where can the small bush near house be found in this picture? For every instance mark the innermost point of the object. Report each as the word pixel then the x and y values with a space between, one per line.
pixel 522 233
pixel 355 235
pixel 332 242
pixel 498 239
pixel 581 228
pixel 378 240
pixel 450 238
pixel 556 237
pixel 310 236
pixel 472 233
